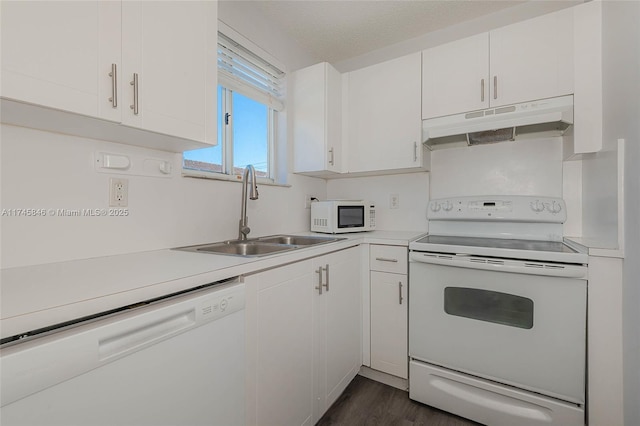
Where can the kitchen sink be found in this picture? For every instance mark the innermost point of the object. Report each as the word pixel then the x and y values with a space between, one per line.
pixel 261 246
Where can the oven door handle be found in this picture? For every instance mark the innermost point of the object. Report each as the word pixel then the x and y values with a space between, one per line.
pixel 500 265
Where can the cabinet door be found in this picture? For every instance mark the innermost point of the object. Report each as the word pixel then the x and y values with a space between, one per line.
pixel 172 48
pixel 280 349
pixel 338 326
pixel 59 54
pixel 455 77
pixel 389 323
pixel 384 116
pixel 317 119
pixel 532 59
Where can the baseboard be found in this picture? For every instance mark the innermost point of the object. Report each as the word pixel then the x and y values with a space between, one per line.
pixel 387 379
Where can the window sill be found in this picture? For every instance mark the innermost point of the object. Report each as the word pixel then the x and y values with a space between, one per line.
pixel 229 178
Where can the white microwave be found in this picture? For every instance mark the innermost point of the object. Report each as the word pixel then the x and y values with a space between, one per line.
pixel 339 216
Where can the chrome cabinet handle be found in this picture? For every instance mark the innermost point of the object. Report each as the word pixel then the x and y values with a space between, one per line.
pixel 331 161
pixel 415 151
pixel 114 86
pixel 400 292
pixel 386 259
pixel 495 87
pixel 319 288
pixel 482 90
pixel 326 269
pixel 134 83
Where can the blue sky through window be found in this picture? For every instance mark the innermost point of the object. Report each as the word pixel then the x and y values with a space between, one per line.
pixel 250 135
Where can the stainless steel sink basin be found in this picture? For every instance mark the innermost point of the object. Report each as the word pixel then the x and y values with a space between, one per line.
pixel 260 247
pixel 239 248
pixel 298 240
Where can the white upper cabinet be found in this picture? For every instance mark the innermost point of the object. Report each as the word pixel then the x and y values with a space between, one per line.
pixel 81 57
pixel 383 117
pixel 171 47
pixel 317 120
pixel 59 54
pixel 587 134
pixel 521 62
pixel 532 59
pixel 455 77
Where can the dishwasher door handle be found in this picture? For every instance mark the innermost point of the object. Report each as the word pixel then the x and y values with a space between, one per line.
pixel 134 339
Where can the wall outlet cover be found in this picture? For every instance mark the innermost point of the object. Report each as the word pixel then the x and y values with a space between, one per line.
pixel 394 201
pixel 118 192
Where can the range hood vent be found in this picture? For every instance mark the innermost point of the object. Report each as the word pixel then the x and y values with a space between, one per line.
pixel 543 118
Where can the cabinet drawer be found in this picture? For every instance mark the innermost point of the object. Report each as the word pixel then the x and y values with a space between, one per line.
pixel 388 259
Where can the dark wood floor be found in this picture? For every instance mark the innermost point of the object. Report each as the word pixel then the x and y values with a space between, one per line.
pixel 367 402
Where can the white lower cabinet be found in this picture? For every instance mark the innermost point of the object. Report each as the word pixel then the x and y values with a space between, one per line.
pixel 389 309
pixel 389 323
pixel 303 344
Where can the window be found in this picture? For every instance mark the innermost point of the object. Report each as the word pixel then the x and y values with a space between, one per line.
pixel 249 97
pixel 490 306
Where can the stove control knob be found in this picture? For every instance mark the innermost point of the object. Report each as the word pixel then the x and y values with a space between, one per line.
pixel 447 206
pixel 555 207
pixel 435 207
pixel 537 206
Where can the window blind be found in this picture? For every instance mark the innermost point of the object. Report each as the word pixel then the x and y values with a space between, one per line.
pixel 241 70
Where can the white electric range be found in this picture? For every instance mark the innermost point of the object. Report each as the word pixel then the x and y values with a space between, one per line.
pixel 497 312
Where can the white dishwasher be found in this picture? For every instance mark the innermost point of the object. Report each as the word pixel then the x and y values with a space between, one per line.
pixel 172 361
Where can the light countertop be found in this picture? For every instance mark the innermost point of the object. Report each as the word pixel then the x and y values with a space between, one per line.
pixel 597 247
pixel 32 297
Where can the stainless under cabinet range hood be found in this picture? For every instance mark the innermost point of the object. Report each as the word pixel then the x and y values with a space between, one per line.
pixel 545 117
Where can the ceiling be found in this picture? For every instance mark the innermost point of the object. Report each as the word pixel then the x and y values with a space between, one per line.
pixel 336 30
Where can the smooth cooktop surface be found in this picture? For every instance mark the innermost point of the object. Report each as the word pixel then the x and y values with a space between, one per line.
pixel 498 243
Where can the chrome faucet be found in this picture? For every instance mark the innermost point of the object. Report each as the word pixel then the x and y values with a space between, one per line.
pixel 249 174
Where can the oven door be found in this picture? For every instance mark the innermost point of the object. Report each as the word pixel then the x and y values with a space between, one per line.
pixel 519 329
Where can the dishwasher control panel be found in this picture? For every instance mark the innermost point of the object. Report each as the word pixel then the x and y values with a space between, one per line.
pixel 221 303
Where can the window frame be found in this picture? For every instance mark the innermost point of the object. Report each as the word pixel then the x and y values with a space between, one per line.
pixel 227 143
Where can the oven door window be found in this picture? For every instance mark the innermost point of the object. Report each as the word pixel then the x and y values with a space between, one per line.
pixel 490 306
pixel 350 216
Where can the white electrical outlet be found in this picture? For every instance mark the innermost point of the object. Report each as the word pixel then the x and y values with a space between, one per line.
pixel 118 192
pixel 394 201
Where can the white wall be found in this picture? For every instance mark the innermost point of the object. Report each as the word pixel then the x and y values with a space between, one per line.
pixel 411 188
pixel 621 86
pixel 528 167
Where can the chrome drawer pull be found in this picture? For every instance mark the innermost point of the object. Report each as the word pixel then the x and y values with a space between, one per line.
pixel 327 272
pixel 386 259
pixel 134 83
pixel 319 288
pixel 495 87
